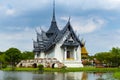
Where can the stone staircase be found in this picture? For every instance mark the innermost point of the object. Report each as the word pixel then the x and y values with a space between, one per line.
pixel 46 62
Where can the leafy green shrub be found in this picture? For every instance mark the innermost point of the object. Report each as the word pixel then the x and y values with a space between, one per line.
pixel 64 67
pixel 40 67
pixel 4 65
pixel 116 75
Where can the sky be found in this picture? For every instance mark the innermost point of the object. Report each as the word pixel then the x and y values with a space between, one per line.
pixel 95 21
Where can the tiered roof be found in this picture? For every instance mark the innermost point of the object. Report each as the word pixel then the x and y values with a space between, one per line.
pixel 53 30
pixel 47 40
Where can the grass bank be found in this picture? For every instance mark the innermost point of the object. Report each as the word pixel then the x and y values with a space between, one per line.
pixel 20 69
pixel 116 75
pixel 86 69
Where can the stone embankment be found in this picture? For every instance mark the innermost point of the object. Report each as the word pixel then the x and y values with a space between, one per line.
pixel 46 62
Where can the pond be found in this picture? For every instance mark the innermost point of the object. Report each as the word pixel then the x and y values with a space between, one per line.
pixel 4 75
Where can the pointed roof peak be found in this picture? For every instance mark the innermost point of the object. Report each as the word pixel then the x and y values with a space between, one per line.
pixel 53 18
pixel 69 19
pixel 36 31
pixel 53 27
pixel 83 42
pixel 42 30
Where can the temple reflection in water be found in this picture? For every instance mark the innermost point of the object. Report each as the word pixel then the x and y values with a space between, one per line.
pixel 55 76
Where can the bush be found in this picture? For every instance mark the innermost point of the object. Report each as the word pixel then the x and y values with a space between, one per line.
pixel 64 67
pixel 4 65
pixel 116 75
pixel 40 67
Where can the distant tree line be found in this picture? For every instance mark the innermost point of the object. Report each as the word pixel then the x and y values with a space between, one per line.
pixel 13 56
pixel 111 58
pixel 106 59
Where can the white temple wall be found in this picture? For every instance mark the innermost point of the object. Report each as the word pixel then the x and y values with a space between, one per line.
pixel 50 54
pixel 78 53
pixel 35 56
pixel 59 52
pixel 42 55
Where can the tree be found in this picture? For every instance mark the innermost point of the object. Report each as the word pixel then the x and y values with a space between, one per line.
pixel 111 58
pixel 2 61
pixel 13 56
pixel 27 55
pixel 116 56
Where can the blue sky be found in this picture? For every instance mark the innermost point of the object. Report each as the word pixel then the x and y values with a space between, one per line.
pixel 97 21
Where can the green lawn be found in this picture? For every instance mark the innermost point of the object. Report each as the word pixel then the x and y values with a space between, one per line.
pixel 116 75
pixel 20 69
pixel 86 69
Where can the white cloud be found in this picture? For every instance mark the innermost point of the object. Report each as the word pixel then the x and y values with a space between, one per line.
pixel 19 7
pixel 102 41
pixel 25 4
pixel 91 4
pixel 64 18
pixel 101 4
pixel 0 6
pixel 69 4
pixel 21 40
pixel 88 25
pixel 10 11
pixel 111 4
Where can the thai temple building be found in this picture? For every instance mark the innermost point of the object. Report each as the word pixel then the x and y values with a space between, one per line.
pixel 84 52
pixel 62 45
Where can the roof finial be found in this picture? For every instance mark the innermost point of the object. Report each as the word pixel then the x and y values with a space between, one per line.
pixel 53 19
pixel 69 19
pixel 36 30
pixel 40 28
pixel 83 42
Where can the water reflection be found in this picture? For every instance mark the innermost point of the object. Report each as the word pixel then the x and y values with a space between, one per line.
pixel 54 76
pixel 45 76
pixel 100 76
pixel 84 76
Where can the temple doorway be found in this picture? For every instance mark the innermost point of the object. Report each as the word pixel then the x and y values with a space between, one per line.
pixel 68 54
